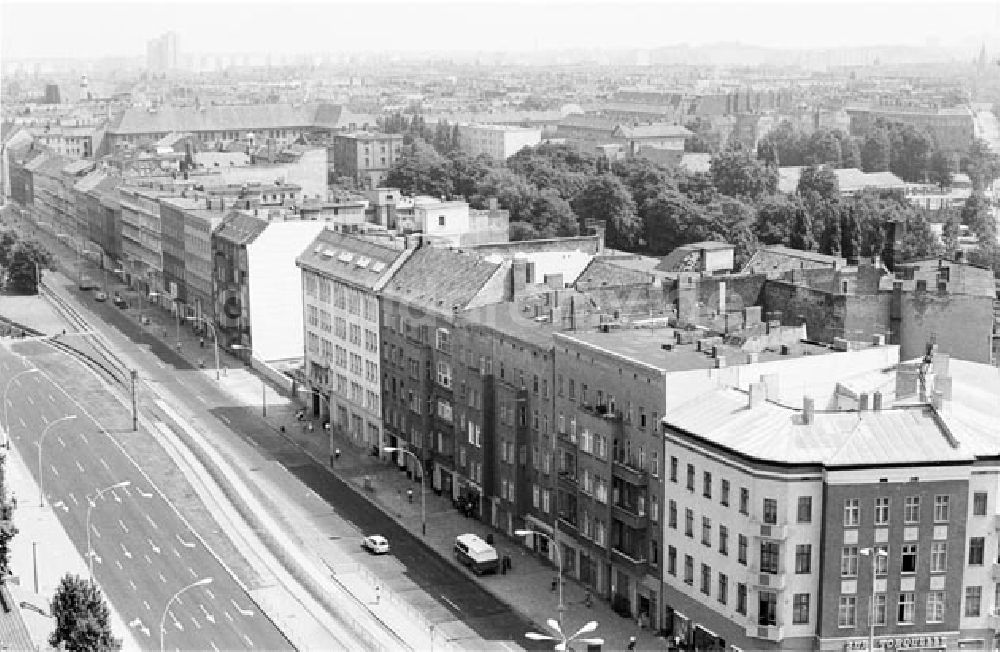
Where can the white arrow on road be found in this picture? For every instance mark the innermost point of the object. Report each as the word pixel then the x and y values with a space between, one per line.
pixel 184 543
pixel 115 496
pixel 243 612
pixel 152 522
pixel 140 626
pixel 93 528
pixel 80 466
pixel 143 493
pixel 96 557
pixel 122 523
pixel 61 505
pixel 152 545
pixel 73 498
pixel 209 617
pixel 177 623
pixel 125 551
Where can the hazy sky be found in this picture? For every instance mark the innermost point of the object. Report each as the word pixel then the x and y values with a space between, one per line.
pixel 89 29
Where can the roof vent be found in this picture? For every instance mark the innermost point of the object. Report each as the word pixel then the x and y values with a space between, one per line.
pixel 378 266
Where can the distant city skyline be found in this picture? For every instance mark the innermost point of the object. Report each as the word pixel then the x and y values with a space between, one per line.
pixel 81 29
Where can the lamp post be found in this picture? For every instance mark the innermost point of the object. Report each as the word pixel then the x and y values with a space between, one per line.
pixel 90 507
pixel 555 544
pixel 205 581
pixel 41 440
pixel 423 504
pixel 874 554
pixel 263 384
pixel 562 640
pixel 6 418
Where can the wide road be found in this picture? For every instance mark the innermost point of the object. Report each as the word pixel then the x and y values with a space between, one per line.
pixel 144 552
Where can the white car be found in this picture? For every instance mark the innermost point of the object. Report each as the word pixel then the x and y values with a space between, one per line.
pixel 376 544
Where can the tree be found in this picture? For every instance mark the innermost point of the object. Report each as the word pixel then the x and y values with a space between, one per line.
pixel 7 528
pixel 81 616
pixel 552 216
pixel 775 217
pixel 512 191
pixel 981 164
pixel 700 140
pixel 671 219
pixel 818 184
pixel 876 150
pixel 522 231
pixel 976 214
pixel 909 153
pixel 607 199
pixel 918 241
pixel 732 221
pixel 467 172
pixel 644 178
pixel 767 151
pixel 850 151
pixel 421 170
pixel 737 173
pixel 801 236
pixel 789 143
pixel 940 169
pixel 26 261
pixel 827 221
pixel 824 148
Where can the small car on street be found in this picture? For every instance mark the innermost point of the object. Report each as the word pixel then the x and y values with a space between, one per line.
pixel 376 544
pixel 101 296
pixel 87 284
pixel 120 301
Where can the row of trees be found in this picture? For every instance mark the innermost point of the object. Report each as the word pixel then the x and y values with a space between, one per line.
pixel 556 190
pixel 18 258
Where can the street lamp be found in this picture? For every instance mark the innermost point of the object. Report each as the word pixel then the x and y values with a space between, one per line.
pixel 205 581
pixel 90 506
pixel 563 640
pixel 263 384
pixel 555 544
pixel 41 440
pixel 6 418
pixel 423 504
pixel 874 554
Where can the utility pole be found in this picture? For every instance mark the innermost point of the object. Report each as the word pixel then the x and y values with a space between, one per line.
pixel 135 414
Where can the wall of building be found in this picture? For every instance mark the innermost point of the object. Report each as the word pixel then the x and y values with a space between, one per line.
pixel 962 324
pixel 590 244
pixel 822 312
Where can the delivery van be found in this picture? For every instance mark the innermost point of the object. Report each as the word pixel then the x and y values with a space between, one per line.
pixel 475 553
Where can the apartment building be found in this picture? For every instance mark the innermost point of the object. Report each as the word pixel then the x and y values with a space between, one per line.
pixel 497 141
pixel 141 238
pixel 365 157
pixel 341 276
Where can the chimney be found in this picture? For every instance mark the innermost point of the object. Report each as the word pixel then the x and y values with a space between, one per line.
pixel 877 401
pixel 753 357
pixel 720 362
pixel 808 410
pixel 937 399
pixel 863 402
pixel 518 277
pixel 878 339
pixel 941 363
pixel 943 384
pixel 758 394
pixel 771 383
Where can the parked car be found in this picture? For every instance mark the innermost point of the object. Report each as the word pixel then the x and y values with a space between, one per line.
pixel 479 556
pixel 376 544
pixel 120 301
pixel 101 296
pixel 87 284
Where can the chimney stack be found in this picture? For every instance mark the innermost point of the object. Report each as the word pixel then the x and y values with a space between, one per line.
pixel 771 384
pixel 863 402
pixel 808 410
pixel 877 401
pixel 758 394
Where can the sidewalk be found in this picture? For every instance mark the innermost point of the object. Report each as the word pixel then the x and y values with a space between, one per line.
pixel 39 532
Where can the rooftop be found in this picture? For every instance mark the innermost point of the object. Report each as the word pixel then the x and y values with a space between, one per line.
pixel 509 319
pixel 219 118
pixel 440 279
pixel 349 258
pixel 240 228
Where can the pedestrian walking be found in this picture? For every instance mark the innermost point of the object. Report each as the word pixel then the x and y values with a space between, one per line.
pixel 588 599
pixel 631 643
pixel 201 342
pixel 378 596
pixel 336 454
pixel 409 495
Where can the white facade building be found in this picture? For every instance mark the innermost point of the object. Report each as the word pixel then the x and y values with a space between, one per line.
pixel 499 141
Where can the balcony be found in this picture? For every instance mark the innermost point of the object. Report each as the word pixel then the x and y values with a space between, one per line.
pixel 776 532
pixel 630 517
pixel 768 581
pixel 567 438
pixel 993 621
pixel 568 480
pixel 623 470
pixel 631 564
pixel 766 632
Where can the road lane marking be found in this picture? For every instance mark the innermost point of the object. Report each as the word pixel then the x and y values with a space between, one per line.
pixel 243 612
pixel 51 398
pixel 148 560
pixel 128 555
pixel 248 640
pixel 30 400
pixel 214 647
pixel 146 604
pixel 455 606
pixel 228 617
pixel 208 592
pixel 119 564
pixel 184 543
pixel 105 465
pixel 80 467
pixel 93 528
pixel 60 440
pixel 45 420
pixel 192 571
pixel 176 554
pixel 54 470
pixel 132 584
pixel 143 493
pixel 84 438
pixel 73 498
pixel 115 496
pixel 209 617
pixel 177 623
pixel 152 545
pixel 152 522
pixel 196 623
pixel 126 491
pixel 162 578
pixel 23 424
pixel 122 523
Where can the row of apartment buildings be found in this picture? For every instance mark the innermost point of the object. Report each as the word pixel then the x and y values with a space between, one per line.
pixel 705 464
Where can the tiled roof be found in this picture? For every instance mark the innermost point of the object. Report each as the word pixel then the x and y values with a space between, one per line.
pixel 220 118
pixel 440 279
pixel 655 131
pixel 348 258
pixel 588 121
pixel 240 228
pixel 771 431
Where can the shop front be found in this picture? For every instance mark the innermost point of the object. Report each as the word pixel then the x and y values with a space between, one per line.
pixel 911 642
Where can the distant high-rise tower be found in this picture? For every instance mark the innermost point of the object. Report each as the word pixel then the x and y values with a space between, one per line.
pixel 162 53
pixel 84 89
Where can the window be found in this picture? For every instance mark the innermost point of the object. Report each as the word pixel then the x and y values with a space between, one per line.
pixel 672 514
pixel 706 531
pixel 800 609
pixel 672 560
pixel 723 588
pixel 690 477
pixel 769 551
pixel 979 503
pixel 849 561
pixel 804 512
pixel 976 551
pixel 706 484
pixel 847 614
pixel 706 579
pixel 905 609
pixel 689 522
pixel 770 511
pixel 744 500
pixel 882 510
pixel 939 557
pixel 724 493
pixel 443 340
pixel 688 570
pixel 909 552
pixel 973 601
pixel 911 509
pixel 942 508
pixel 444 374
pixel 723 540
pixel 935 607
pixel 741 599
pixel 882 561
pixel 881 610
pixel 673 469
pixel 741 549
pixel 852 512
pixel 803 558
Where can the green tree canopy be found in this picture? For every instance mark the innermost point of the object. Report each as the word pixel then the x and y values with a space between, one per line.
pixel 81 616
pixel 940 169
pixel 876 150
pixel 606 198
pixel 737 173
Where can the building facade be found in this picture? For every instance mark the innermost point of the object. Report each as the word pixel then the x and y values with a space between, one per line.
pixel 365 157
pixel 497 141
